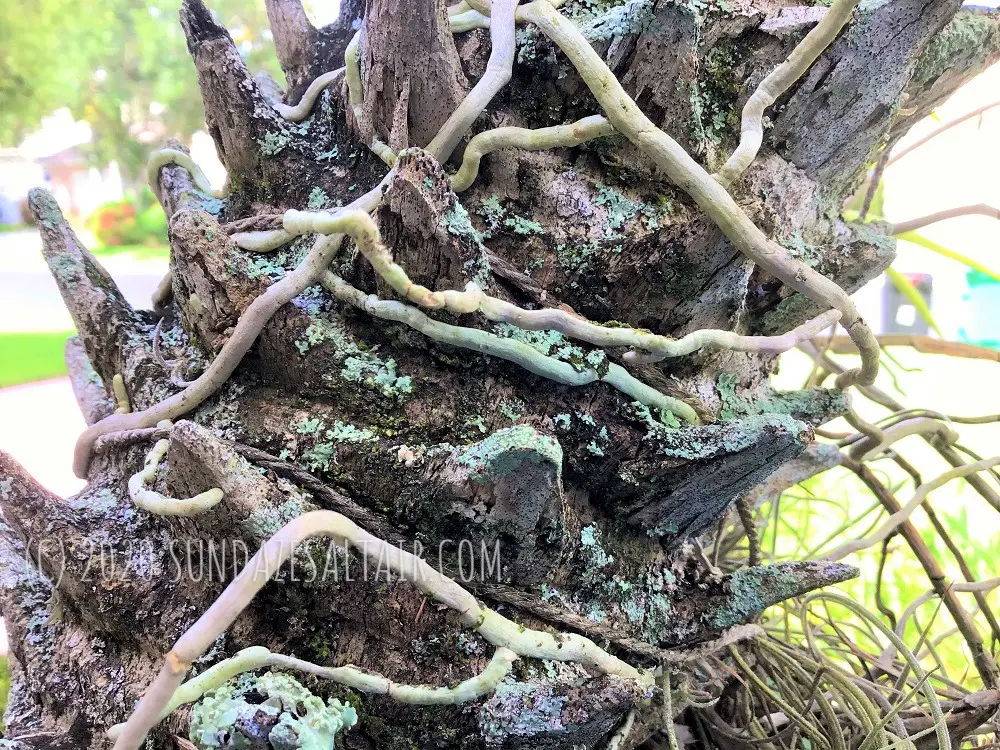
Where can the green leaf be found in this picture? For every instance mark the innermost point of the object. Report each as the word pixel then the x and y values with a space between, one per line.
pixel 934 247
pixel 913 296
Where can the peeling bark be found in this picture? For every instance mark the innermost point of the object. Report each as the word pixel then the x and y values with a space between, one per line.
pixel 594 501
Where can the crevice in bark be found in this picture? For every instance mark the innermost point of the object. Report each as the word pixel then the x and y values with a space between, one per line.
pixel 413 77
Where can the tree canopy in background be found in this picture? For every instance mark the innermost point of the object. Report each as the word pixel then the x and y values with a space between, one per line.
pixel 120 65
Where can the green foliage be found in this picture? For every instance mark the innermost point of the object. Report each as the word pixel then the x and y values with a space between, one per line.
pixel 4 687
pixel 123 67
pixel 130 221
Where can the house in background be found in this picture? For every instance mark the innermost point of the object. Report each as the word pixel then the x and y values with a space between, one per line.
pixel 54 158
pixel 17 176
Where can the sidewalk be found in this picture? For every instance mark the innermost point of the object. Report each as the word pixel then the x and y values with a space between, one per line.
pixel 39 424
pixel 30 299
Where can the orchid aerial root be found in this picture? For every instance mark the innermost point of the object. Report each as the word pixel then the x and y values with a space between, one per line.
pixel 159 504
pixel 894 521
pixel 491 625
pixel 365 233
pixel 511 350
pixel 355 97
pixel 247 329
pixel 557 136
pixel 122 403
pixel 777 83
pixel 499 69
pixel 171 156
pixel 257 657
pixel 629 120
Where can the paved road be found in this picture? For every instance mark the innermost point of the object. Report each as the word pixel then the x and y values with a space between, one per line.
pixel 30 299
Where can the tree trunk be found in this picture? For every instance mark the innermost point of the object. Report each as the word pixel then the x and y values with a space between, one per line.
pixel 593 505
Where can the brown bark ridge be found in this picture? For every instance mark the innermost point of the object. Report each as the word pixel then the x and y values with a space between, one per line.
pixel 596 504
pixel 413 77
pixel 294 43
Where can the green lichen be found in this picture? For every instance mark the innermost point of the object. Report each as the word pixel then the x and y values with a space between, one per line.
pixel 634 17
pixel 966 32
pixel 295 717
pixel 620 209
pixel 505 451
pixel 273 143
pixel 493 213
pixel 591 552
pixel 523 226
pixel 318 198
pixel 46 208
pixel 521 709
pixel 578 257
pixel 307 426
pixel 377 374
pixel 695 443
pixel 733 406
pixel 554 344
pixel 512 408
pixel 266 520
pixel 458 223
pixel 752 590
pixel 798 248
pixel 818 404
pixel 341 432
pixel 64 268
pixel 260 266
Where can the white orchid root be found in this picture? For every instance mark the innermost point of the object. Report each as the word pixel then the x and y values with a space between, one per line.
pixel 247 329
pixel 355 97
pixel 122 403
pixel 494 627
pixel 894 521
pixel 868 447
pixel 499 70
pixel 511 350
pixel 366 235
pixel 777 83
pixel 712 197
pixel 257 657
pixel 301 111
pixel 557 136
pixel 171 156
pixel 159 504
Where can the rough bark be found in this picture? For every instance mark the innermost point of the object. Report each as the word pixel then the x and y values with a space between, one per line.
pixel 596 504
pixel 413 75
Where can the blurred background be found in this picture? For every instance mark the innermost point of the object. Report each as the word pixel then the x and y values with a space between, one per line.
pixel 89 87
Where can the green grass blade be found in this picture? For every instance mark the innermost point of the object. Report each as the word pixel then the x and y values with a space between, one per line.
pixel 934 247
pixel 911 295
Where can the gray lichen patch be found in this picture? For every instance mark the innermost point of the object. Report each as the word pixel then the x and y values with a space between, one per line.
pixel 274 708
pixel 558 710
pixel 505 451
pixel 749 591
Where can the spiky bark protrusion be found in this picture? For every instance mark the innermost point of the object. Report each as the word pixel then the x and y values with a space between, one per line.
pixel 593 499
pixel 413 75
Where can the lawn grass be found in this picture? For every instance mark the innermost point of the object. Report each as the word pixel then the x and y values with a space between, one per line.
pixel 4 687
pixel 140 252
pixel 27 357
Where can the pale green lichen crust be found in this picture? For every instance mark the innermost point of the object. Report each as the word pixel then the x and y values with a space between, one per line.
pixel 290 717
pixel 503 452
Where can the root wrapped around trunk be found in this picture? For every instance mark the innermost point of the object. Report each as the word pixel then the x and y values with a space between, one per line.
pixel 531 381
